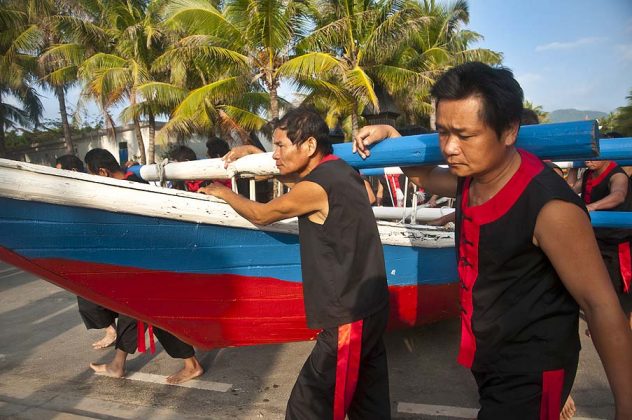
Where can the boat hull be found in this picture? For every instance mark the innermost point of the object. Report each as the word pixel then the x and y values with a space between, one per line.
pixel 213 286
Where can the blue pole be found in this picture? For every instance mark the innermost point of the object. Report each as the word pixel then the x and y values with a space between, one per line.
pixel 611 219
pixel 574 140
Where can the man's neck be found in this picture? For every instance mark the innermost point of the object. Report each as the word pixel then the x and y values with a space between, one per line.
pixel 118 175
pixel 485 186
pixel 313 162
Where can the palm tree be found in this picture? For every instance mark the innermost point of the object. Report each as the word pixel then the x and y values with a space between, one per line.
pixel 19 41
pixel 239 48
pixel 57 71
pixel 113 76
pixel 354 47
pixel 438 46
pixel 623 118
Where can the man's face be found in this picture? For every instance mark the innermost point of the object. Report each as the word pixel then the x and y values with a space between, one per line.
pixel 470 147
pixel 289 157
pixel 596 165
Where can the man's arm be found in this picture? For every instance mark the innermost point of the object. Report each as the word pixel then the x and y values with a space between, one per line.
pixel 564 233
pixel 618 191
pixel 433 179
pixel 305 198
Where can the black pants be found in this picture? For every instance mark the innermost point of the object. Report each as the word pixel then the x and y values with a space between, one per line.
pixel 524 396
pixel 127 339
pixel 313 395
pixel 95 316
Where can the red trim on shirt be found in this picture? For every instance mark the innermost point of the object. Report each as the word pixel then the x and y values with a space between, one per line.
pixel 625 265
pixel 472 220
pixel 347 367
pixel 128 174
pixel 503 200
pixel 551 402
pixel 591 182
pixel 328 158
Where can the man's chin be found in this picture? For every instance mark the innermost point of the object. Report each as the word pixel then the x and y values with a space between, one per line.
pixel 459 170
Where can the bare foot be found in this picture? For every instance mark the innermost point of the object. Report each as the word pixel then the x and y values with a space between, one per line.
pixel 107 370
pixel 108 339
pixel 569 409
pixel 192 369
pixel 115 369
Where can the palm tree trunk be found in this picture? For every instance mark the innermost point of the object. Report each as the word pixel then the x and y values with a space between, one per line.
pixel 274 100
pixel 152 139
pixel 354 124
pixel 61 97
pixel 2 146
pixel 109 125
pixel 139 140
pixel 433 116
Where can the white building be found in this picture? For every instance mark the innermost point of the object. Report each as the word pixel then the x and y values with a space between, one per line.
pixel 124 148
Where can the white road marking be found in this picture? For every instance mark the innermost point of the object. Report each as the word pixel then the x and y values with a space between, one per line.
pixel 54 314
pixel 194 383
pixel 437 410
pixel 6 270
pixel 448 411
pixel 6 276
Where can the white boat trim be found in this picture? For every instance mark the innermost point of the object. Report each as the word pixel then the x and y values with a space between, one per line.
pixel 26 181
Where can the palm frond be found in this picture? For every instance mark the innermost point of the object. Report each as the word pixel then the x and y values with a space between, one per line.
pixel 361 87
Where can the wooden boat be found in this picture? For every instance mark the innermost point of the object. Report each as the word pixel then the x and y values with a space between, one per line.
pixel 189 264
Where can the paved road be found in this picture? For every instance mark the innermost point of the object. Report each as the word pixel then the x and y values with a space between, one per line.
pixel 45 351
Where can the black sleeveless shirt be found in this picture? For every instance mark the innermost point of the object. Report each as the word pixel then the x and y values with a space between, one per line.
pixel 344 278
pixel 596 187
pixel 517 316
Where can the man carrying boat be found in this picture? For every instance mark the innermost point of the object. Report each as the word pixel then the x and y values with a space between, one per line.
pixel 94 316
pixel 344 280
pixel 527 255
pixel 606 187
pixel 103 163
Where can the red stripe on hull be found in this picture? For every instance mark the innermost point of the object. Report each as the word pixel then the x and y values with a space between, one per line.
pixel 211 311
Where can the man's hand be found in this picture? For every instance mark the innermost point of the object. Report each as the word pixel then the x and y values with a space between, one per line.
pixel 214 189
pixel 369 135
pixel 238 152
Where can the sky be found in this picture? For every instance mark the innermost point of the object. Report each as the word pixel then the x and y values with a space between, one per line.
pixel 565 53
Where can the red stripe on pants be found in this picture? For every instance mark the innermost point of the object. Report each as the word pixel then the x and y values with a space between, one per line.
pixel 552 384
pixel 140 330
pixel 347 366
pixel 625 265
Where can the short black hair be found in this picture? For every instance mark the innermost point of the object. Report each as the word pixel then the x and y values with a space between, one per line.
pixel 216 147
pixel 501 94
pixel 181 153
pixel 70 162
pixel 529 117
pixel 302 123
pixel 100 158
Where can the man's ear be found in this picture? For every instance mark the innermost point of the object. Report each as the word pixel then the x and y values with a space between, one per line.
pixel 510 135
pixel 312 146
pixel 104 172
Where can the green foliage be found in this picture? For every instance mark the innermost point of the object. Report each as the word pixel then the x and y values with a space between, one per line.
pixel 623 118
pixel 209 66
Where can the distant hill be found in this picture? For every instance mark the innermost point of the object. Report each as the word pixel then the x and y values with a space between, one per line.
pixel 564 115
